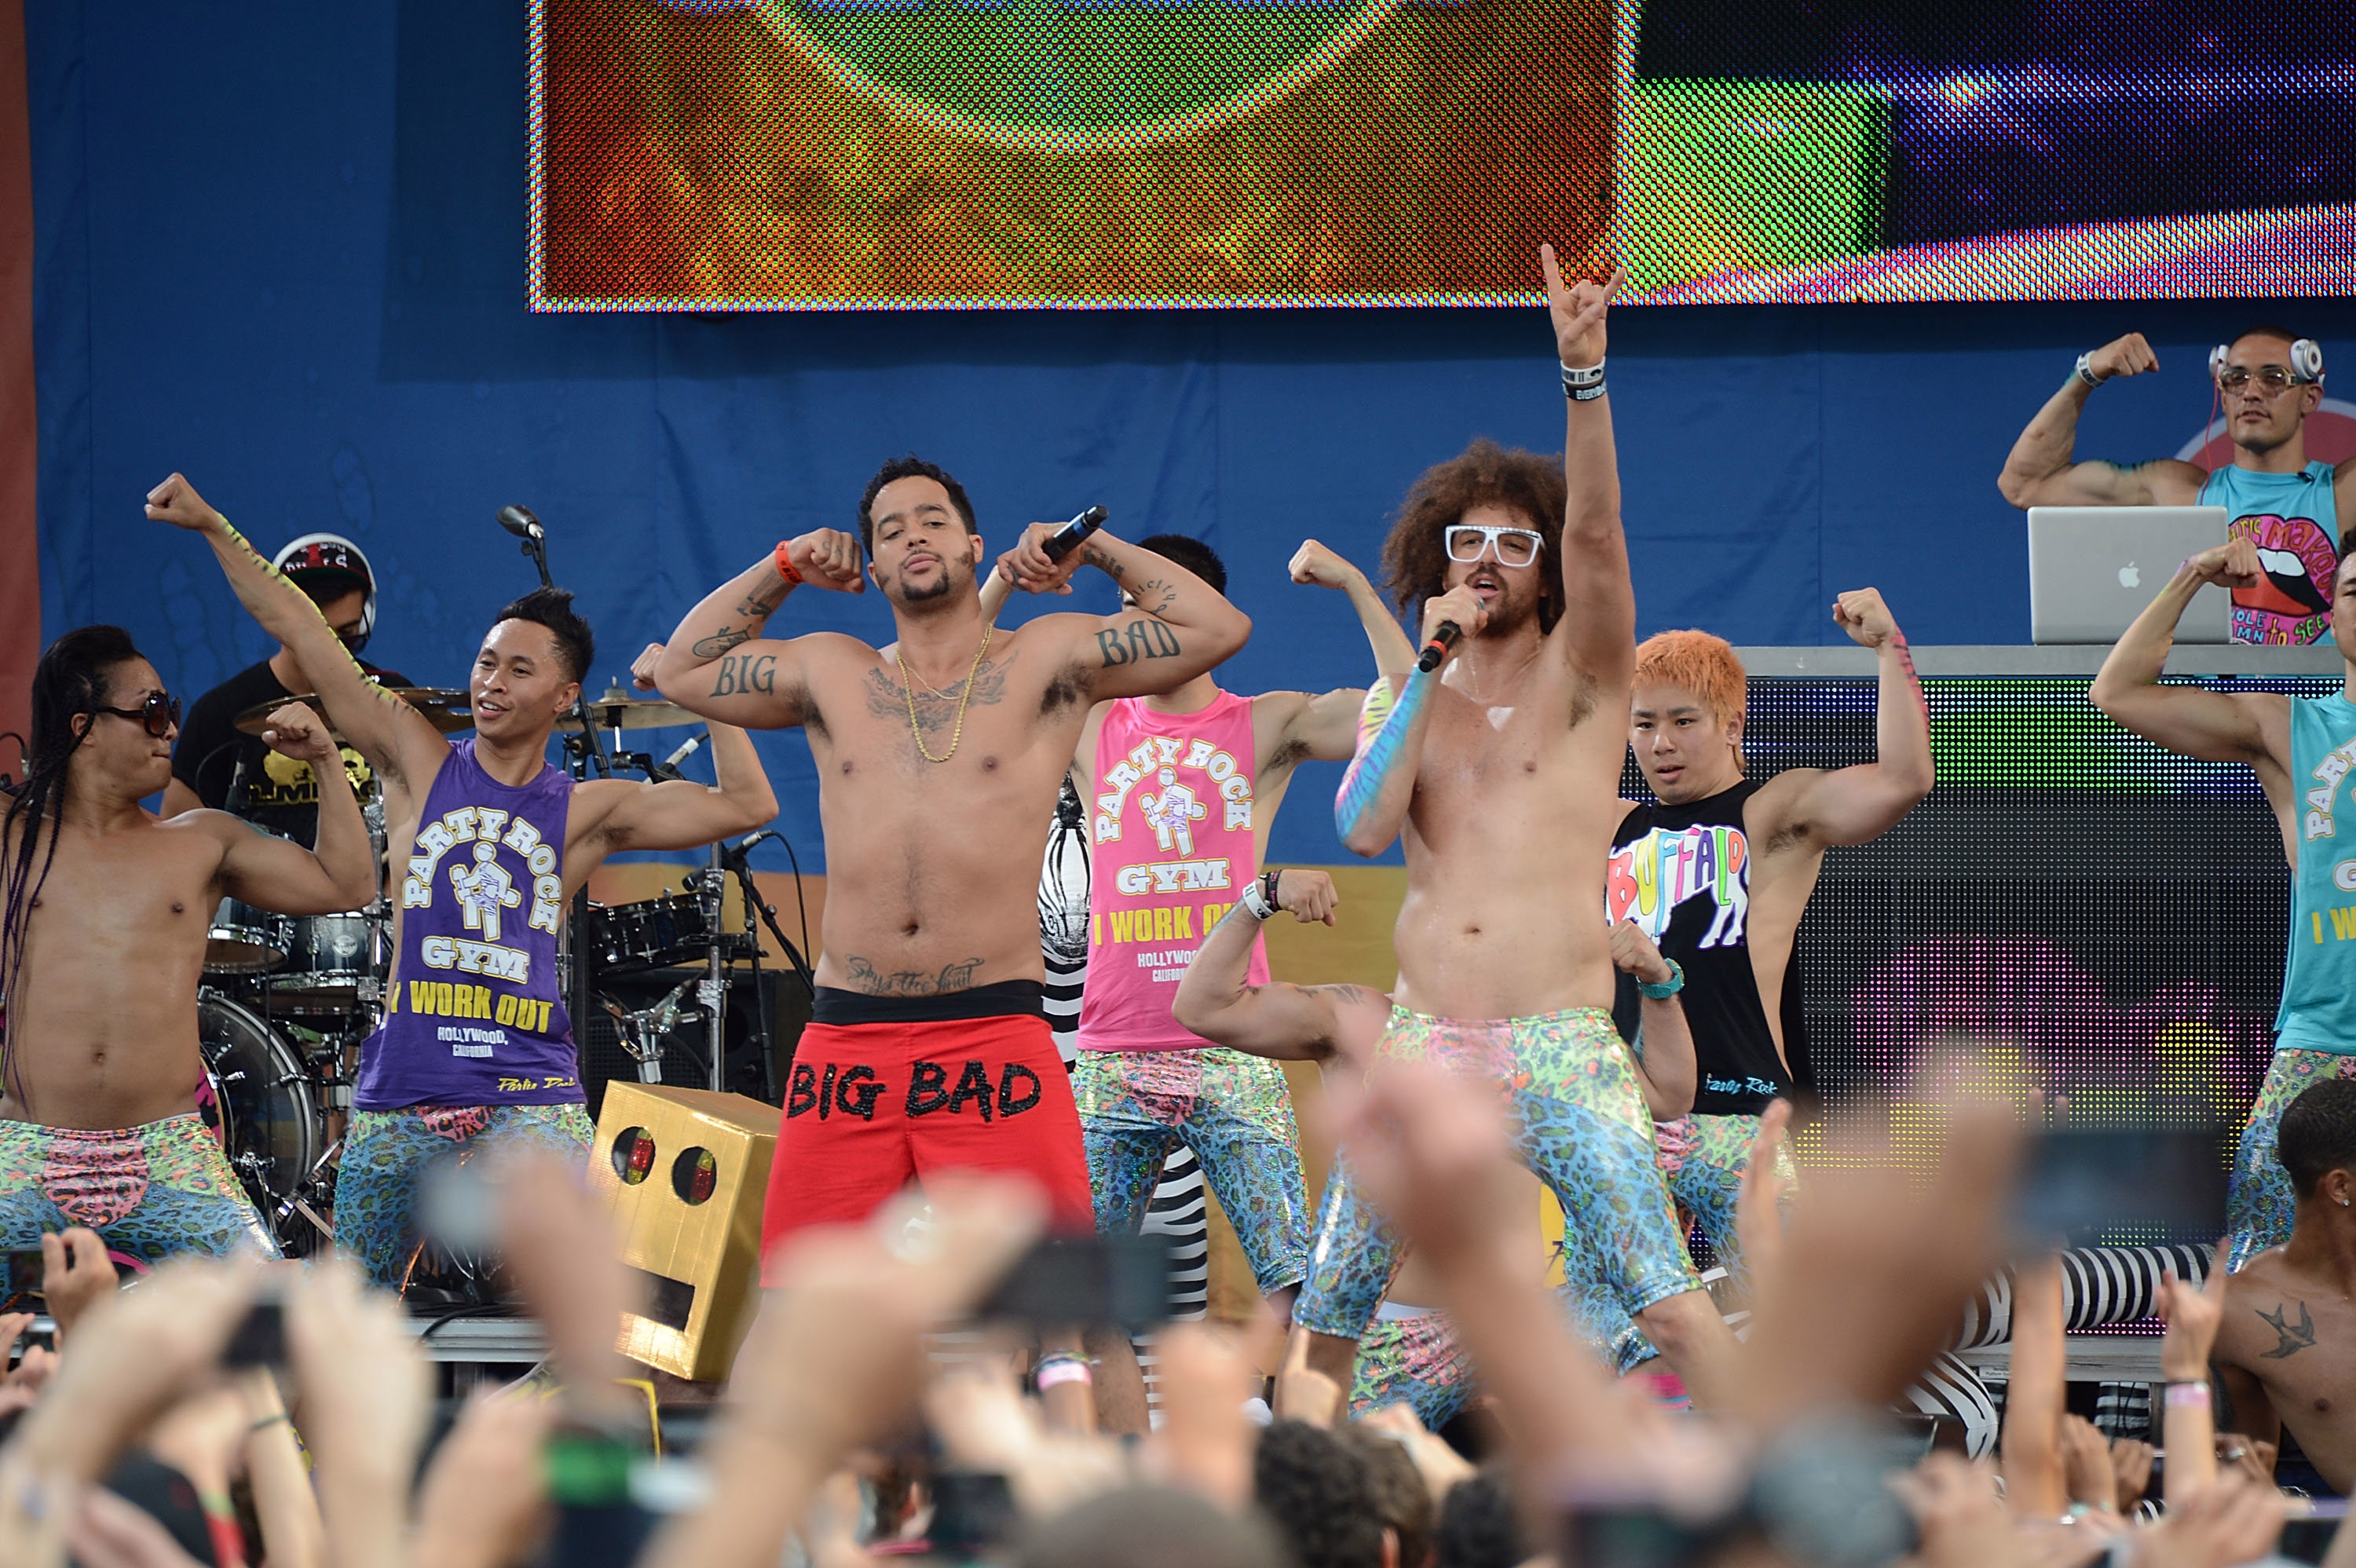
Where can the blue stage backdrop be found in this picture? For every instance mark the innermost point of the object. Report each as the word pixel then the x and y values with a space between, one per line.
pixel 282 249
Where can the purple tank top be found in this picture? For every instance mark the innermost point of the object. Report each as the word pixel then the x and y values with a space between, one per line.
pixel 475 1015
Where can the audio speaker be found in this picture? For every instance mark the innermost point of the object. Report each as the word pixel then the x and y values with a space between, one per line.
pixel 686 1170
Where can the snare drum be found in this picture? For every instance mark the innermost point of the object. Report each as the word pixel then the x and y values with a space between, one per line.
pixel 328 959
pixel 245 940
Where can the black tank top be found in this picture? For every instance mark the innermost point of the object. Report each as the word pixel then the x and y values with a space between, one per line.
pixel 1683 872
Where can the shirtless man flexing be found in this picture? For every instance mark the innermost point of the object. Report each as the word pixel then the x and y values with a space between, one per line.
pixel 489 841
pixel 103 948
pixel 939 758
pixel 1501 768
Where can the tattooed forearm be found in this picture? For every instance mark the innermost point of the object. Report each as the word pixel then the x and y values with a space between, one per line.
pixel 762 602
pixel 1096 557
pixel 740 674
pixel 720 642
pixel 953 977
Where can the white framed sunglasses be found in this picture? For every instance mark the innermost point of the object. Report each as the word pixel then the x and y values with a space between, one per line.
pixel 1511 547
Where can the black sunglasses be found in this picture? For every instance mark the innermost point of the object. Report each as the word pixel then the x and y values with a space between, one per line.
pixel 158 713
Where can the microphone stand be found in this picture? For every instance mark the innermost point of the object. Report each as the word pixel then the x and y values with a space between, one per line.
pixel 535 544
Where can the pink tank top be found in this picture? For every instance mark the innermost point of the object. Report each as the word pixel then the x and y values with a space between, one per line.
pixel 1172 830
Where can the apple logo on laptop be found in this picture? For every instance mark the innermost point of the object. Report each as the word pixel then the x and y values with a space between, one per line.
pixel 2129 577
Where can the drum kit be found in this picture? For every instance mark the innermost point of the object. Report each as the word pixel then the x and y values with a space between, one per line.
pixel 287 1000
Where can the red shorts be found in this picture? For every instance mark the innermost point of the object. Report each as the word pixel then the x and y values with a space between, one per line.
pixel 871 1106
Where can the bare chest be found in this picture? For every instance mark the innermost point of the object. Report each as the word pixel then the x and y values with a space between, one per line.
pixel 154 890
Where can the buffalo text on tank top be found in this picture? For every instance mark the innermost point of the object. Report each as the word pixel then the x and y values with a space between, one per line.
pixel 1172 825
pixel 475 1013
pixel 2295 523
pixel 1683 873
pixel 2318 995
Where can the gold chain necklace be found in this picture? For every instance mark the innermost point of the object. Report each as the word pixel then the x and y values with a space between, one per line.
pixel 908 688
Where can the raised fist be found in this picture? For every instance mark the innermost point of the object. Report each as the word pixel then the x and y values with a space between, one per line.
pixel 829 558
pixel 1312 563
pixel 1862 614
pixel 2128 355
pixel 175 502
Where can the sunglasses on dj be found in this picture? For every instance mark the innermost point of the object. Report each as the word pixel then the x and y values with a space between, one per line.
pixel 159 713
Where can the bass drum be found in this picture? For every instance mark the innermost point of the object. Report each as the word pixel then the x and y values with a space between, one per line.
pixel 258 1101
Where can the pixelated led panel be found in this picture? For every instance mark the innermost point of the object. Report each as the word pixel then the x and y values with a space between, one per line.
pixel 2105 918
pixel 686 1171
pixel 764 155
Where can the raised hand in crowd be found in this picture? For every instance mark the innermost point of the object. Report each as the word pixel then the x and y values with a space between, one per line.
pixel 76 1275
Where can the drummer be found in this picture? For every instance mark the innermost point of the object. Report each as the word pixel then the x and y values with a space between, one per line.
pixel 489 841
pixel 218 765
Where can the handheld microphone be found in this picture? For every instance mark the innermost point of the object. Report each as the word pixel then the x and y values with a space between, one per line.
pixel 1443 637
pixel 1066 539
pixel 519 522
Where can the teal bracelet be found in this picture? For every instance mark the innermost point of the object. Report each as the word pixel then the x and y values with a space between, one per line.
pixel 1669 987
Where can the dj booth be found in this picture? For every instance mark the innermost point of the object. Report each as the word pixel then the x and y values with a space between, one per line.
pixel 2112 913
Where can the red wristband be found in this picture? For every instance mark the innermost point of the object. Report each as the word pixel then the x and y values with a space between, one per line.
pixel 785 564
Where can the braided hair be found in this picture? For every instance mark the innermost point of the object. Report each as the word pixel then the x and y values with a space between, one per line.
pixel 71 679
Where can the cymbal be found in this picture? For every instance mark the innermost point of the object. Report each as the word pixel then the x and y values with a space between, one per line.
pixel 614 711
pixel 445 710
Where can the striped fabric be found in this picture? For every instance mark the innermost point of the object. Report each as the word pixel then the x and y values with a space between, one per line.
pixel 2101 1287
pixel 1179 1210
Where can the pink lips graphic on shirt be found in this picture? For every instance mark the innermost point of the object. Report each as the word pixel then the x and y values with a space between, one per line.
pixel 2299 561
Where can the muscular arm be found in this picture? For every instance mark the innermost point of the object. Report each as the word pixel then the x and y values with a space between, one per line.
pixel 1180 628
pixel 1375 792
pixel 1857 805
pixel 2211 726
pixel 395 737
pixel 677 814
pixel 338 872
pixel 1327 727
pixel 1289 1023
pixel 2038 471
pixel 715 662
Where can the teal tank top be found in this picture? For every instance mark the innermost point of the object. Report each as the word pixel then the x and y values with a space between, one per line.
pixel 2318 999
pixel 2292 520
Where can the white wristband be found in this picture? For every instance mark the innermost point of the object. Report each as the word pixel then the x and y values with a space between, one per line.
pixel 1257 901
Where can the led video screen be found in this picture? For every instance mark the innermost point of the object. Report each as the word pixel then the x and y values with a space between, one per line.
pixel 2105 918
pixel 784 154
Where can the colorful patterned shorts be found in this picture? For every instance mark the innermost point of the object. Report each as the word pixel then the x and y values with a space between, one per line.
pixel 1233 1110
pixel 1416 1360
pixel 2258 1208
pixel 1579 1123
pixel 150 1191
pixel 1703 1158
pixel 387 1151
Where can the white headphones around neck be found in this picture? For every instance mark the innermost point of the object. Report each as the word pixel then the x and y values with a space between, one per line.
pixel 2306 360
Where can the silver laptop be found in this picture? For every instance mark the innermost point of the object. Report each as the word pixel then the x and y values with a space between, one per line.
pixel 2093 569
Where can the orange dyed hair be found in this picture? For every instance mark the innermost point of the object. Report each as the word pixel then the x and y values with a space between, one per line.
pixel 1700 663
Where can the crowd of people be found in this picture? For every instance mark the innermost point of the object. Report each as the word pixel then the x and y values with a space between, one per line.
pixel 1597 995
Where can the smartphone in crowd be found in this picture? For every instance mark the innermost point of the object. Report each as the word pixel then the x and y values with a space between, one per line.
pixel 1087 1282
pixel 2154 1184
